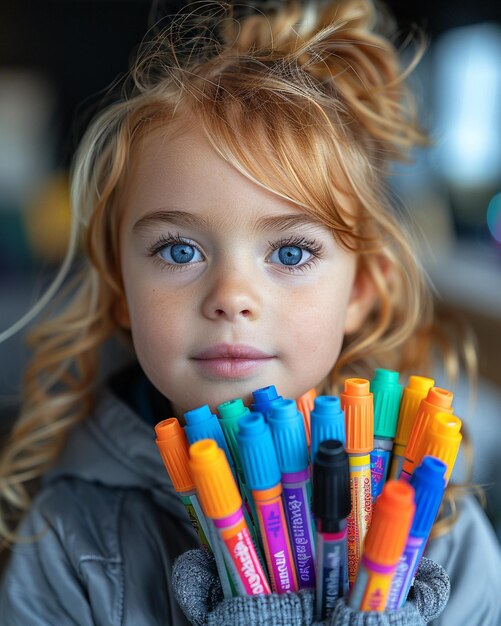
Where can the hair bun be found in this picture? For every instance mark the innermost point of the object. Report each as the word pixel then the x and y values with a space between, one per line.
pixel 338 44
pixel 283 28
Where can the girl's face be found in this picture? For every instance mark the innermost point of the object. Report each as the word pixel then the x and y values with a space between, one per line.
pixel 228 287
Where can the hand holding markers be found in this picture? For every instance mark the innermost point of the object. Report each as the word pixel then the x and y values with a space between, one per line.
pixel 345 531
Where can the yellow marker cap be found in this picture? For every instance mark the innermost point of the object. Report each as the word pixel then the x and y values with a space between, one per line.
pixel 358 406
pixel 173 446
pixel 416 390
pixel 391 522
pixel 441 439
pixel 437 400
pixel 216 488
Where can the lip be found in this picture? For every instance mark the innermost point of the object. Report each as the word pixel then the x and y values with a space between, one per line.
pixel 232 351
pixel 231 361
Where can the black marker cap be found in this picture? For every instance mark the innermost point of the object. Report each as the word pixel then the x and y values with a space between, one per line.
pixel 331 501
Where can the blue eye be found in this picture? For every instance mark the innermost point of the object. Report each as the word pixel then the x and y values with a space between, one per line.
pixel 180 253
pixel 290 255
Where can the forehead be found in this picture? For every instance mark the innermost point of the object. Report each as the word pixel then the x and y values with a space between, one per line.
pixel 179 169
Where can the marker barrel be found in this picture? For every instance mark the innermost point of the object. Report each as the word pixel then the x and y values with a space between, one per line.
pixel 372 586
pixel 297 497
pixel 397 461
pixel 276 542
pixel 359 519
pixel 380 462
pixel 240 555
pixel 331 572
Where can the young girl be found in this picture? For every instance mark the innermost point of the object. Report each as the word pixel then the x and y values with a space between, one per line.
pixel 240 234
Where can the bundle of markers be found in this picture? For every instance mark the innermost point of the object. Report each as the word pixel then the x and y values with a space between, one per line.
pixel 337 494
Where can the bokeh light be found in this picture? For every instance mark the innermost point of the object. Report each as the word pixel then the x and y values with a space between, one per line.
pixel 494 217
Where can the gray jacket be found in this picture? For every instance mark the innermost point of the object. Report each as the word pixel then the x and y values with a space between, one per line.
pixel 112 525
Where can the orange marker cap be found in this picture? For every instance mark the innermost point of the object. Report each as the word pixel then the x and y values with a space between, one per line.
pixel 441 439
pixel 216 488
pixel 437 400
pixel 391 522
pixel 305 405
pixel 173 446
pixel 416 390
pixel 358 406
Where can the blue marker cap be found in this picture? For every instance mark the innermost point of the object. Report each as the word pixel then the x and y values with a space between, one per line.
pixel 327 422
pixel 428 481
pixel 287 428
pixel 263 398
pixel 387 394
pixel 257 452
pixel 202 424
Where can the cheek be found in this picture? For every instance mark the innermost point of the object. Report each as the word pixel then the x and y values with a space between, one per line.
pixel 156 322
pixel 316 331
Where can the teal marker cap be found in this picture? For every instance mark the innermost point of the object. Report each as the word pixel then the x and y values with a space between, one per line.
pixel 231 412
pixel 263 398
pixel 257 452
pixel 387 394
pixel 326 422
pixel 202 424
pixel 287 428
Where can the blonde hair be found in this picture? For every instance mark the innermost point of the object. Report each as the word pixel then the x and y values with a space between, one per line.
pixel 309 102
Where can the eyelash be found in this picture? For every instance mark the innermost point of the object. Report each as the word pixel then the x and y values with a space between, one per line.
pixel 315 248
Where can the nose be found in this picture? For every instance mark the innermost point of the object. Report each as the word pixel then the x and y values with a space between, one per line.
pixel 232 296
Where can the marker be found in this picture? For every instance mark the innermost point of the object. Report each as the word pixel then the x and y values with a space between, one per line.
pixel 263 397
pixel 231 412
pixel 429 485
pixel 331 506
pixel 327 422
pixel 287 428
pixel 416 390
pixel 383 546
pixel 387 393
pixel 173 446
pixel 437 400
pixel 305 405
pixel 262 475
pixel 221 502
pixel 202 424
pixel 441 439
pixel 357 404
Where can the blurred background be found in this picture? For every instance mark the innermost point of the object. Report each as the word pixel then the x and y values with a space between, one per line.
pixel 57 57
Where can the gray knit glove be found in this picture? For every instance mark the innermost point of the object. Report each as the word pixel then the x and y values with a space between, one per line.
pixel 199 594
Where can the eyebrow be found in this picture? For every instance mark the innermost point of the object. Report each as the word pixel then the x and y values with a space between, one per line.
pixel 185 218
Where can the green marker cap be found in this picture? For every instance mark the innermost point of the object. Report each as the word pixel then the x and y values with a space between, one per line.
pixel 387 395
pixel 230 413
